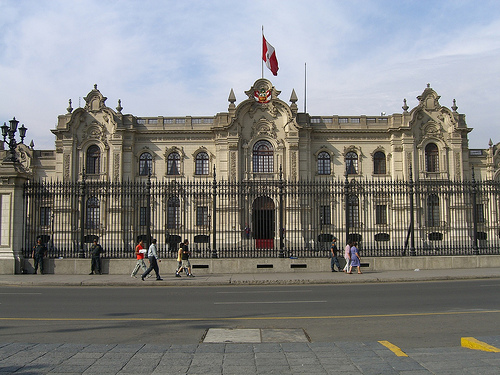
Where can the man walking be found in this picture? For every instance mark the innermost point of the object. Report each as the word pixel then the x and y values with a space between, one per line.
pixel 139 253
pixel 334 260
pixel 39 251
pixel 95 252
pixel 153 261
pixel 186 264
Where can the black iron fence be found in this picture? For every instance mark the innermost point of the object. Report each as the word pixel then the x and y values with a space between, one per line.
pixel 264 218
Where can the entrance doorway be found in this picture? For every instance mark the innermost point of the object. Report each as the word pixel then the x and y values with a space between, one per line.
pixel 263 222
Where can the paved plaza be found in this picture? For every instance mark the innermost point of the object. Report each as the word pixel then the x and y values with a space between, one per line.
pixel 344 358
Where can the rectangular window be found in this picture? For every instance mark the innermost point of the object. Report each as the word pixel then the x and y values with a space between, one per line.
pixel 325 215
pixel 201 215
pixel 196 121
pixel 143 216
pixel 480 213
pixel 168 121
pixel 381 214
pixel 45 216
pixel 343 120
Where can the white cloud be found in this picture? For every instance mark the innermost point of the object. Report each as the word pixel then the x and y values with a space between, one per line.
pixel 182 58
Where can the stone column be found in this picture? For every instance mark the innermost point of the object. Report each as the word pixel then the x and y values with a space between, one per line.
pixel 12 179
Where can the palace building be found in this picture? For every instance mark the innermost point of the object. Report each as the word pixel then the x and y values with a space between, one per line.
pixel 257 137
pixel 259 176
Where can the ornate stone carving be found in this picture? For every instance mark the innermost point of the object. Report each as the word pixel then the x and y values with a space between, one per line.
pixel 232 163
pixel 66 166
pixel 294 165
pixel 458 168
pixel 116 167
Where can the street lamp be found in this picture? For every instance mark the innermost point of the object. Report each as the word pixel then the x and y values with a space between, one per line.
pixel 10 131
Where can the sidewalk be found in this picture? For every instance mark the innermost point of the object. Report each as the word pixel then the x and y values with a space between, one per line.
pixel 347 358
pixel 251 279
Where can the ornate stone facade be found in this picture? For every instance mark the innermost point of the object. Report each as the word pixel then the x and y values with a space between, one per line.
pixel 257 137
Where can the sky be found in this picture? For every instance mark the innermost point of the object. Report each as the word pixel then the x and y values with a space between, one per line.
pixel 182 58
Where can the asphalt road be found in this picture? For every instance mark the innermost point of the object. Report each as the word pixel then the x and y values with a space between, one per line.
pixel 410 315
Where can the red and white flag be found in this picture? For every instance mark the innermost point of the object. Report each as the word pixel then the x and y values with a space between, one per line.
pixel 269 56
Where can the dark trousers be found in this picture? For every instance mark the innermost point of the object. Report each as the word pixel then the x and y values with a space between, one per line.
pixel 96 264
pixel 335 261
pixel 39 261
pixel 153 265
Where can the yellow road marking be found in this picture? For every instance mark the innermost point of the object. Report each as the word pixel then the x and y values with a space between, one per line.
pixel 250 318
pixel 393 348
pixel 472 343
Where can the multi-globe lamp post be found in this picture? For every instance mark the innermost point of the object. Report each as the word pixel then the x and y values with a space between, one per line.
pixel 10 132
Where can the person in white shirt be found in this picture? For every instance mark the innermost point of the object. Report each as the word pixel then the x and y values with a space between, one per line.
pixel 153 261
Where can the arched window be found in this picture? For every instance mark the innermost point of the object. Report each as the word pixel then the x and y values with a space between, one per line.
pixel 353 211
pixel 93 165
pixel 379 163
pixel 145 164
pixel 432 210
pixel 351 162
pixel 173 164
pixel 263 157
pixel 431 158
pixel 93 216
pixel 324 165
pixel 201 167
pixel 173 212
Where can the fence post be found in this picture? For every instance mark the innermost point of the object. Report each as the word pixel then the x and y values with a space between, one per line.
pixel 475 249
pixel 412 215
pixel 148 210
pixel 346 193
pixel 82 216
pixel 214 217
pixel 280 184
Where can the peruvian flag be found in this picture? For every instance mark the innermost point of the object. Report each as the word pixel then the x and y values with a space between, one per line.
pixel 269 56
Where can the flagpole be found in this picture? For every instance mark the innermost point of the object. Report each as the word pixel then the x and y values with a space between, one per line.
pixel 262 51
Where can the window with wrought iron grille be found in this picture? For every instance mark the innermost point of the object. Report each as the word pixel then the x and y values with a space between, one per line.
pixel 145 164
pixel 263 157
pixel 381 214
pixel 379 163
pixel 353 211
pixel 143 216
pixel 93 164
pixel 325 215
pixel 431 158
pixel 480 213
pixel 201 215
pixel 201 167
pixel 432 210
pixel 324 163
pixel 45 213
pixel 351 161
pixel 93 215
pixel 173 212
